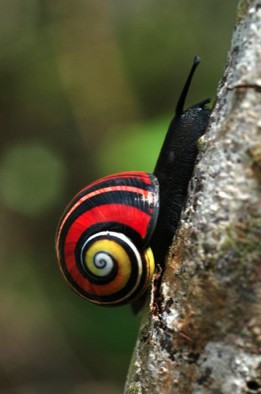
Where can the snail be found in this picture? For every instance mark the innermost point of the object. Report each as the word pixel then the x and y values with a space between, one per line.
pixel 115 229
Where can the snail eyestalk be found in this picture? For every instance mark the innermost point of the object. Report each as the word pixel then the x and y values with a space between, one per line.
pixel 184 93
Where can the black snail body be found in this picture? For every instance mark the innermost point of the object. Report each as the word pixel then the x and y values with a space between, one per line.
pixel 113 230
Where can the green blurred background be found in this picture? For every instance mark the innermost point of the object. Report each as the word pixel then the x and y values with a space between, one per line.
pixel 87 88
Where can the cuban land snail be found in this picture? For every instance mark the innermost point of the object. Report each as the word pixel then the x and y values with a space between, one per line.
pixel 113 230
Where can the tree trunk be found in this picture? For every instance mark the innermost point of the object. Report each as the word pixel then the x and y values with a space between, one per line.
pixel 201 332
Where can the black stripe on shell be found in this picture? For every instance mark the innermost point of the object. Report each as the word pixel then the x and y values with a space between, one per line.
pixel 117 197
pixel 118 180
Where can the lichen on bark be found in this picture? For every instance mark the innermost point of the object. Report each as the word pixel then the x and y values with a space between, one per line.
pixel 201 332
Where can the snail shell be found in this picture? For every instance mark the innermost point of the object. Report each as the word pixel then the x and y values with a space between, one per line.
pixel 102 240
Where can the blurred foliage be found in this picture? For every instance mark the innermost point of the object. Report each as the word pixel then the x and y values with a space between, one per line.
pixel 25 172
pixel 87 88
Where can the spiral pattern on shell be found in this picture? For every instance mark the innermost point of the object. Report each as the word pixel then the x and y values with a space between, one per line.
pixel 102 241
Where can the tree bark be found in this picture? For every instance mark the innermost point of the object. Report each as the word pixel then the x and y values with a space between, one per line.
pixel 201 331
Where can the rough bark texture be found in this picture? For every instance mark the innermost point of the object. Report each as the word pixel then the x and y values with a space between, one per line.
pixel 201 333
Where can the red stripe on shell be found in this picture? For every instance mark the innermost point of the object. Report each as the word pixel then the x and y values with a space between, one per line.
pixel 132 189
pixel 143 176
pixel 131 216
